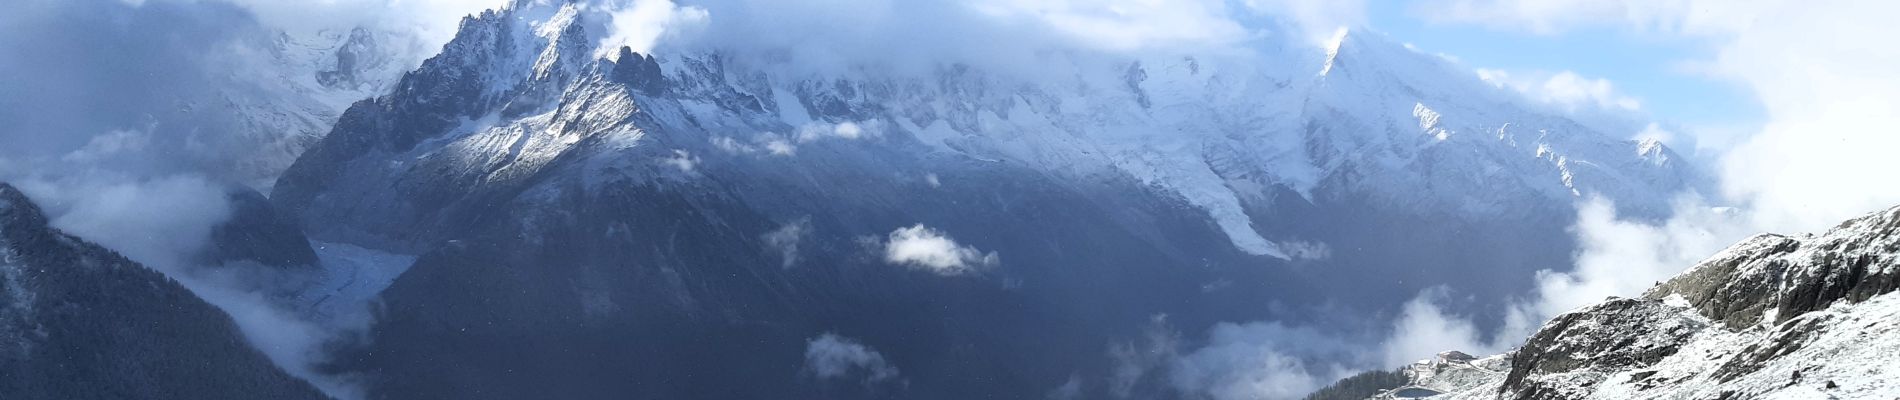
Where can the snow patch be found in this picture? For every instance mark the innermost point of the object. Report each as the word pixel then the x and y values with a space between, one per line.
pixel 352 278
pixel 16 316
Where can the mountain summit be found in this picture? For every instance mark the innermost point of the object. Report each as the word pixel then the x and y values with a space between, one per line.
pixel 565 207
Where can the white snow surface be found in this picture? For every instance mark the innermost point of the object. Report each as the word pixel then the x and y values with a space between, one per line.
pixel 352 278
pixel 1845 351
pixel 1854 349
pixel 287 92
pixel 17 324
pixel 1404 127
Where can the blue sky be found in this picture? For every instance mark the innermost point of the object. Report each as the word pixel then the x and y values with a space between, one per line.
pixel 1652 68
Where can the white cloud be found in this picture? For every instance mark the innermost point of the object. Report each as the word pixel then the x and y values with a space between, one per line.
pixel 1158 346
pixel 1126 25
pixel 115 143
pixel 116 211
pixel 1305 250
pixel 1564 89
pixel 1317 19
pixel 1424 329
pixel 997 36
pixel 164 223
pixel 433 22
pixel 1260 360
pixel 1616 258
pixel 844 130
pixel 1070 390
pixel 769 143
pixel 730 145
pixel 778 146
pixel 1624 258
pixel 681 159
pixel 641 24
pixel 830 356
pixel 1275 360
pixel 1551 16
pixel 1655 132
pixel 1827 82
pixel 1820 70
pixel 785 240
pixel 922 247
pixel 1828 86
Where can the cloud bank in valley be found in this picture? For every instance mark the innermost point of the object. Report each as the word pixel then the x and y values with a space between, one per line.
pixel 127 124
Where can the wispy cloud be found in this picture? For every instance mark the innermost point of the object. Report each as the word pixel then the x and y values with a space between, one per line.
pixel 1261 360
pixel 785 240
pixel 844 130
pixel 830 356
pixel 1564 89
pixel 1552 16
pixel 640 25
pixel 116 210
pixel 1424 328
pixel 1318 20
pixel 682 160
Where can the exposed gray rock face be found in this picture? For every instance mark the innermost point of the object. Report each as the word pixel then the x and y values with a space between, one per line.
pixel 78 321
pixel 1770 279
pixel 1785 339
pixel 1578 348
pixel 256 232
pixel 1808 316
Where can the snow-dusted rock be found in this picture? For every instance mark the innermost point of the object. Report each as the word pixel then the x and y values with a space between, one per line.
pixel 1809 316
pixel 1769 279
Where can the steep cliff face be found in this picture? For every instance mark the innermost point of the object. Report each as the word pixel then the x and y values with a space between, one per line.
pixel 78 321
pixel 1809 316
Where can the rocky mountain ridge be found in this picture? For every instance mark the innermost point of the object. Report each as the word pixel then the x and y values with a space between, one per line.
pixel 1808 316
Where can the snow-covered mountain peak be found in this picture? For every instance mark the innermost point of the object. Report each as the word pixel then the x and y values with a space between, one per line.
pixel 1220 131
pixel 1332 49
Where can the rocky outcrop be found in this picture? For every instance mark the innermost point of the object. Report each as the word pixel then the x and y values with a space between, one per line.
pixel 1774 315
pixel 639 71
pixel 256 232
pixel 1770 279
pixel 1581 347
